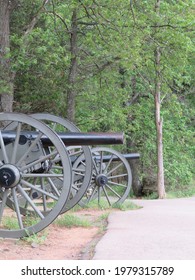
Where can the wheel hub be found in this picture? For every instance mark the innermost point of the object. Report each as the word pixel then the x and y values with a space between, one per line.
pixel 101 180
pixel 9 176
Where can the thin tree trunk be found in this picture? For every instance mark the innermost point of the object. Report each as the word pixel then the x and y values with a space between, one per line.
pixel 159 128
pixel 71 93
pixel 6 77
pixel 159 122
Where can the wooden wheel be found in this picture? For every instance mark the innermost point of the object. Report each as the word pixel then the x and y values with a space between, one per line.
pixel 27 167
pixel 111 177
pixel 81 174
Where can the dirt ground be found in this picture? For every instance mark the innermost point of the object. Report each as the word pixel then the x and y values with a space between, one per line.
pixel 61 243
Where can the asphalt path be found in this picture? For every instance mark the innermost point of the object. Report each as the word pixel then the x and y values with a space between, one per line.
pixel 161 230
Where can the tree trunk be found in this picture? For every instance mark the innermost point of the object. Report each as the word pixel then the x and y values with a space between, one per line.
pixel 6 79
pixel 71 93
pixel 159 122
pixel 137 185
pixel 159 130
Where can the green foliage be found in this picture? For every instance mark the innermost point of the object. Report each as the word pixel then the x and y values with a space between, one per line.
pixel 182 191
pixel 101 106
pixel 178 140
pixel 116 72
pixel 36 239
pixel 179 145
pixel 142 134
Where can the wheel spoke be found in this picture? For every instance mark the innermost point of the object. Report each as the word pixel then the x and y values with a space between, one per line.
pixel 16 142
pixel 108 165
pixel 105 192
pixel 113 191
pixel 25 195
pixel 93 193
pixel 43 196
pixel 33 144
pixel 40 160
pixel 115 168
pixel 53 187
pixel 95 167
pixel 117 184
pixel 38 189
pixel 118 176
pixel 101 161
pixel 41 175
pixel 17 209
pixel 99 195
pixel 3 149
pixel 3 203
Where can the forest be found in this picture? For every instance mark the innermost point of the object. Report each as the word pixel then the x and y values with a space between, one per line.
pixel 109 65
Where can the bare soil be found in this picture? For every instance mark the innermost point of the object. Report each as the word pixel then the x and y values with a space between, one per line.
pixel 60 243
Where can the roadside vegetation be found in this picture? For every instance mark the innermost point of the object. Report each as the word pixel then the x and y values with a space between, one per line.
pixel 129 69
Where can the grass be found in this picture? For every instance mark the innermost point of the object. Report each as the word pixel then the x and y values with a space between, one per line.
pixel 127 205
pixel 95 206
pixel 36 238
pixel 71 220
pixel 10 223
pixel 185 191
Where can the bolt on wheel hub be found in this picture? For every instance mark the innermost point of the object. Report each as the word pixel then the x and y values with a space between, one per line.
pixel 9 176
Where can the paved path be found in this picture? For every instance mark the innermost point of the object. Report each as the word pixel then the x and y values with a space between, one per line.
pixel 161 230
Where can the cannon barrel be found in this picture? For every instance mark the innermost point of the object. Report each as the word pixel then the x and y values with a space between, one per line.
pixel 69 139
pixel 106 158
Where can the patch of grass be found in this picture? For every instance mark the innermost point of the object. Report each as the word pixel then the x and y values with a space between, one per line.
pixel 70 220
pixel 186 191
pixel 95 206
pixel 36 238
pixel 76 208
pixel 104 216
pixel 126 205
pixel 10 223
pixel 30 220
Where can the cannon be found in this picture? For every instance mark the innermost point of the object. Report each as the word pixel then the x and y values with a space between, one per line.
pixel 47 167
pixel 35 173
pixel 83 164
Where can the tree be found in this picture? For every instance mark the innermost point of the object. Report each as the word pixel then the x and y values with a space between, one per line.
pixel 158 119
pixel 6 75
pixel 106 65
pixel 167 44
pixel 72 77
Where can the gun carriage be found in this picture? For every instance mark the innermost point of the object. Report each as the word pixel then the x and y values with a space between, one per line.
pixel 47 167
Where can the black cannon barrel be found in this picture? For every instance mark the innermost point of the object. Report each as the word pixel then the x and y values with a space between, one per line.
pixel 106 158
pixel 69 139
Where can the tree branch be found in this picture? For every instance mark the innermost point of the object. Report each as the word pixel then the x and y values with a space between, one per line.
pixel 35 19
